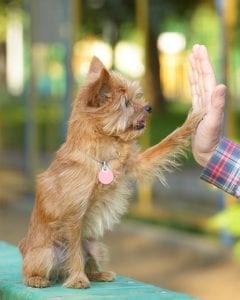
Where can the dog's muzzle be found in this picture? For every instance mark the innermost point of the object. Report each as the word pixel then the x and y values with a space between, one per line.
pixel 140 125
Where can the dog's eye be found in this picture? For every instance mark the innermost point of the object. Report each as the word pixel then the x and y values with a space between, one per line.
pixel 107 95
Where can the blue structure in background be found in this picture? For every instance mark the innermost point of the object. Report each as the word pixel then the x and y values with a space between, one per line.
pixel 51 25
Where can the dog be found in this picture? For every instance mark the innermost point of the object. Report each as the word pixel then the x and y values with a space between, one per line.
pixel 85 190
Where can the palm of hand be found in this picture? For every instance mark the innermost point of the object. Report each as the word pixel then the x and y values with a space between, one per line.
pixel 206 138
pixel 209 97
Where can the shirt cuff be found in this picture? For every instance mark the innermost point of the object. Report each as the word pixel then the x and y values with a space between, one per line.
pixel 223 168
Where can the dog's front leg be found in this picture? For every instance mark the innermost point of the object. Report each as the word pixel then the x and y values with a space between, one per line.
pixel 75 263
pixel 164 155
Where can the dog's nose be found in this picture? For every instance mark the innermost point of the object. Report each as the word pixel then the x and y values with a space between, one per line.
pixel 148 108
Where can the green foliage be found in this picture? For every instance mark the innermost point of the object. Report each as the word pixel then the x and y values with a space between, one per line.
pixel 13 121
pixel 130 33
pixel 228 220
pixel 105 18
pixel 168 223
pixel 162 124
pixel 3 22
pixel 5 7
pixel 204 29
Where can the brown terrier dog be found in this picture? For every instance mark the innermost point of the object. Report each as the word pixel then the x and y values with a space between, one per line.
pixel 85 190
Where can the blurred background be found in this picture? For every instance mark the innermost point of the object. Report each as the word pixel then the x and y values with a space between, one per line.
pixel 183 237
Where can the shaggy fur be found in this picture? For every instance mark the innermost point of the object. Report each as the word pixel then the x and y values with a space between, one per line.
pixel 72 208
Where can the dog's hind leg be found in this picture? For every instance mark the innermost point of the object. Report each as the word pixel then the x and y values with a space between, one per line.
pixel 96 254
pixel 94 273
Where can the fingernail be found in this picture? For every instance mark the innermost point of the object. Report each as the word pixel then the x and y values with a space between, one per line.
pixel 196 46
pixel 223 90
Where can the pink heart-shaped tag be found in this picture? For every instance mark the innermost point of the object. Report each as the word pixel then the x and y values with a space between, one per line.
pixel 105 176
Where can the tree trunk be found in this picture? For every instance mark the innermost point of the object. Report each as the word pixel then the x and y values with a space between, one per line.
pixel 152 75
pixel 151 79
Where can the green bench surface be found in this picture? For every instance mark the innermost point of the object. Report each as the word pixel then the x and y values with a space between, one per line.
pixel 12 288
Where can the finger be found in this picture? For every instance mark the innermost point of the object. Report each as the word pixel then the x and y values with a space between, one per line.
pixel 195 97
pixel 194 63
pixel 207 74
pixel 215 115
pixel 194 83
pixel 219 97
pixel 196 49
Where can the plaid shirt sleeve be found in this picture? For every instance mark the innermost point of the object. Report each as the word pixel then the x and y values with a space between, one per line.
pixel 223 168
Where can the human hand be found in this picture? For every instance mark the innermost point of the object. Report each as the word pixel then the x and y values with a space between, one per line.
pixel 209 97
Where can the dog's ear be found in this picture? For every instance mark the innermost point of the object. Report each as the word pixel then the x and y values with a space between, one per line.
pixel 98 80
pixel 96 66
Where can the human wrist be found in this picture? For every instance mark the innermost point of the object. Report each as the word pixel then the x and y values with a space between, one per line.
pixel 202 158
pixel 202 155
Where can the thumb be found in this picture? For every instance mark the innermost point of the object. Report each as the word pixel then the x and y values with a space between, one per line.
pixel 219 97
